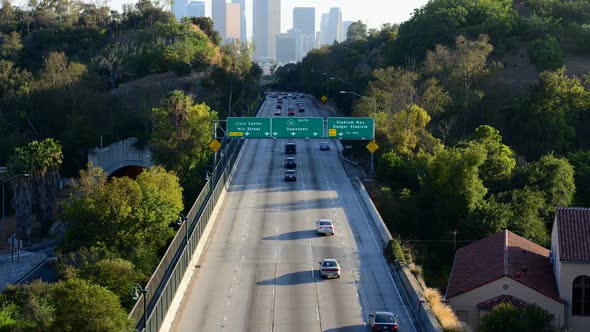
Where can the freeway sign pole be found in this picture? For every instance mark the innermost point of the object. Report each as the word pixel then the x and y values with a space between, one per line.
pixel 297 127
pixel 372 147
pixel 351 128
pixel 248 127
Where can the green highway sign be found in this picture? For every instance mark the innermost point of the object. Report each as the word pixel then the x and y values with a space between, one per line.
pixel 248 127
pixel 297 127
pixel 351 128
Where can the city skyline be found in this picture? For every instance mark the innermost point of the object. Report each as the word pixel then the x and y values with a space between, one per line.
pixel 374 13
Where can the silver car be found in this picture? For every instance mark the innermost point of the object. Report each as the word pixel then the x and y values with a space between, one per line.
pixel 329 268
pixel 383 321
pixel 325 227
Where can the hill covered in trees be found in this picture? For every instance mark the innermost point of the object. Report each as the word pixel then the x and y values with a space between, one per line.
pixel 482 124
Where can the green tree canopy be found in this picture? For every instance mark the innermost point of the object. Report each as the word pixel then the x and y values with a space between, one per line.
pixel 357 31
pixel 580 160
pixel 506 317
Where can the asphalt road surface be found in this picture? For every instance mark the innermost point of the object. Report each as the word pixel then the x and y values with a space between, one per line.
pixel 260 271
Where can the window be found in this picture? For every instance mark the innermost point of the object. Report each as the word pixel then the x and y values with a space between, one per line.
pixel 581 296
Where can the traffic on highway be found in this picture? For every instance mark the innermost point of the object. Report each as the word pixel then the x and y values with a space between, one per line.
pixel 293 248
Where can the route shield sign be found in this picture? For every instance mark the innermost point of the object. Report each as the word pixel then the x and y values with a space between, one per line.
pixel 298 127
pixel 248 127
pixel 351 128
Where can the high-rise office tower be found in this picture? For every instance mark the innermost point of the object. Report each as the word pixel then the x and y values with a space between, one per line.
pixel 345 26
pixel 324 29
pixel 334 26
pixel 218 16
pixel 267 25
pixel 289 46
pixel 242 3
pixel 232 22
pixel 304 20
pixel 184 8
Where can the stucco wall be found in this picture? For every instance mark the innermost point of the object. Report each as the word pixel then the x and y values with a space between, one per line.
pixel 468 301
pixel 569 271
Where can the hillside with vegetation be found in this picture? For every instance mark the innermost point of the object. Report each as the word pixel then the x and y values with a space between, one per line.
pixel 482 124
pixel 74 74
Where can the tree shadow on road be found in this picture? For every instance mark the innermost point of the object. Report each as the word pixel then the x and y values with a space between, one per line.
pixel 295 278
pixel 351 328
pixel 296 235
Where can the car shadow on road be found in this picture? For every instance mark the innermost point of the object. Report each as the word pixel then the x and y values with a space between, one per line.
pixel 295 278
pixel 296 235
pixel 351 328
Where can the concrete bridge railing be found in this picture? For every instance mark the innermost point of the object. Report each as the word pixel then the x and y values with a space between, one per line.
pixel 120 154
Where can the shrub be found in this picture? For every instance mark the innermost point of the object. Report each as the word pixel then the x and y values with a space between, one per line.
pixel 546 53
pixel 416 270
pixel 394 251
pixel 444 314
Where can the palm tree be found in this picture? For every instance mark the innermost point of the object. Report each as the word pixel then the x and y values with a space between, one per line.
pixel 22 202
pixel 42 160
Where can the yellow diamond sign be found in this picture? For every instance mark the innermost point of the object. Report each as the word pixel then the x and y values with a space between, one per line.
pixel 372 146
pixel 332 132
pixel 324 99
pixel 215 145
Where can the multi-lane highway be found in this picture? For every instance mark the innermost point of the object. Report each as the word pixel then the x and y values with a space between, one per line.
pixel 260 270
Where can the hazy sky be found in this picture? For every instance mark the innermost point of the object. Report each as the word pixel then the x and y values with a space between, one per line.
pixel 372 12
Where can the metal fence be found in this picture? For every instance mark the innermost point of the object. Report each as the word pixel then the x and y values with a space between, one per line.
pixel 165 280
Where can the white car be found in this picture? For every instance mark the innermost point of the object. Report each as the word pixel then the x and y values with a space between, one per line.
pixel 325 226
pixel 329 268
pixel 277 112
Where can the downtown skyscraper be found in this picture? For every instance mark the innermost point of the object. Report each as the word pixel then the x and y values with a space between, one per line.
pixel 218 15
pixel 267 25
pixel 243 37
pixel 304 20
pixel 334 32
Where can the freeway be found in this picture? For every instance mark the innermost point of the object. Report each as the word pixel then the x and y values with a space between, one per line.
pixel 260 270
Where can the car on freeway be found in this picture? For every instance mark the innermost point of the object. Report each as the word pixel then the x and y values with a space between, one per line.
pixel 277 112
pixel 329 268
pixel 290 148
pixel 325 146
pixel 290 163
pixel 291 112
pixel 291 107
pixel 325 227
pixel 279 107
pixel 301 109
pixel 290 175
pixel 383 321
pixel 302 96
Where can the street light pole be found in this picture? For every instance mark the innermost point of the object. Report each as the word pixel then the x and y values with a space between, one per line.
pixel 136 290
pixel 372 171
pixel 182 219
pixel 3 211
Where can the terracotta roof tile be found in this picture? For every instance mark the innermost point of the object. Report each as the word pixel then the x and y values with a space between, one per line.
pixel 499 255
pixel 573 231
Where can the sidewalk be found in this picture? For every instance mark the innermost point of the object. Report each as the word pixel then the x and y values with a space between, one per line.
pixel 12 272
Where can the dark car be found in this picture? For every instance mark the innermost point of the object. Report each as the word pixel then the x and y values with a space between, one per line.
pixel 301 96
pixel 301 109
pixel 290 175
pixel 279 107
pixel 383 321
pixel 290 148
pixel 290 163
pixel 325 146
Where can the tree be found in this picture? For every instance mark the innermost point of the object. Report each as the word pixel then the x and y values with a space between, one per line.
pixel 357 31
pixel 552 117
pixel 180 138
pixel 506 317
pixel 407 130
pixel 35 308
pixel 42 160
pixel 206 25
pixel 580 160
pixel 500 161
pixel 10 45
pixel 554 177
pixel 527 209
pixel 546 53
pixel 116 276
pixel 97 309
pixel 461 66
pixel 122 213
pixel 113 62
pixel 59 72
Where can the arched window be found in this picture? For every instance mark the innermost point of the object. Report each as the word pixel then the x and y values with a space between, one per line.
pixel 581 296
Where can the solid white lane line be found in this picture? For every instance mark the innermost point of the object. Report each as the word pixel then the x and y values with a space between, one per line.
pixel 383 259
